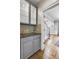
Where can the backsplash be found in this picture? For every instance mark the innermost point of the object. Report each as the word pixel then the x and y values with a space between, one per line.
pixel 30 29
pixel 38 28
pixel 26 29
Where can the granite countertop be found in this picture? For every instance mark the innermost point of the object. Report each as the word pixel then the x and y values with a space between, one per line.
pixel 28 34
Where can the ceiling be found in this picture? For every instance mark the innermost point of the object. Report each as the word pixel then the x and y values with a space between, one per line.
pixel 35 2
pixel 42 4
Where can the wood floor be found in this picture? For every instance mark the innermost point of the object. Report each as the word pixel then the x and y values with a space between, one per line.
pixel 38 55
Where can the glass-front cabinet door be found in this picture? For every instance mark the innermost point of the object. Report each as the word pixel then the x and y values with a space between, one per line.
pixel 33 15
pixel 27 13
pixel 24 12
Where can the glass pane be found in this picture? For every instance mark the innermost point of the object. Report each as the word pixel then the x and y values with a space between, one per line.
pixel 33 15
pixel 24 12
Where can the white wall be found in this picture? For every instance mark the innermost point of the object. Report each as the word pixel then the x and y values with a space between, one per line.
pixel 53 13
pixel 45 3
pixel 42 6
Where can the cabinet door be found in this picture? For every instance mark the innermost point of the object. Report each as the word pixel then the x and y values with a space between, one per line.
pixel 33 15
pixel 28 47
pixel 37 43
pixel 24 12
pixel 21 50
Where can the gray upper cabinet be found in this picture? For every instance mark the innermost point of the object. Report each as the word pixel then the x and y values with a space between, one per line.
pixel 24 12
pixel 28 13
pixel 33 15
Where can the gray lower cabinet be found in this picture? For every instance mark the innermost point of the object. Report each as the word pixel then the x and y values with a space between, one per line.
pixel 37 43
pixel 21 49
pixel 30 45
